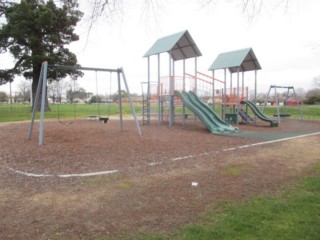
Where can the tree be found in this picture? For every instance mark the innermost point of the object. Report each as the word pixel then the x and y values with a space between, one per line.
pixel 313 96
pixel 36 31
pixel 81 94
pixel 95 99
pixel 24 91
pixel 55 90
pixel 75 94
pixel 3 97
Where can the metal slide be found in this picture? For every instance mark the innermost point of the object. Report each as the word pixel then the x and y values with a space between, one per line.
pixel 213 125
pixel 259 114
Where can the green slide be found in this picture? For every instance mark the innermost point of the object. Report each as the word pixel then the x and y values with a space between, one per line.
pixel 212 114
pixel 259 114
pixel 212 125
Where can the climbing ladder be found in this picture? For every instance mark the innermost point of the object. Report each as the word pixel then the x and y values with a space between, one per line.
pixel 149 100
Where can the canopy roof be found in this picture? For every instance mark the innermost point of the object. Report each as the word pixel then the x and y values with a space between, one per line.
pixel 179 46
pixel 244 59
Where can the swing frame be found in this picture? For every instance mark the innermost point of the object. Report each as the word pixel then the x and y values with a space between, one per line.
pixel 42 87
pixel 279 115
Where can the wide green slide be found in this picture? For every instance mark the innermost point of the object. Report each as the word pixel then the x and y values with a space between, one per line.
pixel 212 114
pixel 259 114
pixel 211 123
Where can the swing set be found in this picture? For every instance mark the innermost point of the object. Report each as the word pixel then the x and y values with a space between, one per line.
pixel 100 117
pixel 42 91
pixel 284 113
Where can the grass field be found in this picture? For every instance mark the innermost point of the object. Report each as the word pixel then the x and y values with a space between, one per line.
pixel 294 214
pixel 22 112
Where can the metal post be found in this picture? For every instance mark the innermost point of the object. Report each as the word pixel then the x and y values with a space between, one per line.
pixel 43 101
pixel 35 104
pixel 213 90
pixel 158 89
pixel 277 104
pixel 242 94
pixel 120 99
pixel 255 86
pixel 225 95
pixel 171 89
pixel 230 83
pixel 131 104
pixel 174 88
pixel 238 93
pixel 148 93
pixel 195 74
pixel 196 82
pixel 297 100
pixel 184 88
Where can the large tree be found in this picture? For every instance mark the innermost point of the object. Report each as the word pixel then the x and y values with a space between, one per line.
pixel 35 31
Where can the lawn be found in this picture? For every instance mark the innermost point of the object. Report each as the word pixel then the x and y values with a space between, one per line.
pixel 293 214
pixel 22 112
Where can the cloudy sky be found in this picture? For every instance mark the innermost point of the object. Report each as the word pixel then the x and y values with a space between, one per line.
pixel 282 39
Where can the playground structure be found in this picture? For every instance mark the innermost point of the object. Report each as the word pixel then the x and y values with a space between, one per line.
pixel 285 103
pixel 172 90
pixel 236 62
pixel 163 91
pixel 179 46
pixel 42 91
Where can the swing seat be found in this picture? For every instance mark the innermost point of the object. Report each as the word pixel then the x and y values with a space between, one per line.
pixel 103 119
pixel 92 117
pixel 282 115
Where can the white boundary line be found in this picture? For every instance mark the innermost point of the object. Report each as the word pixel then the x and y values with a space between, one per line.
pixel 88 174
pixel 65 175
pixel 246 146
pixel 158 163
pixel 181 158
pixel 31 174
pixel 154 163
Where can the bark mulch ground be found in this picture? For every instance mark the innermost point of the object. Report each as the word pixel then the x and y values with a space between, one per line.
pixel 142 183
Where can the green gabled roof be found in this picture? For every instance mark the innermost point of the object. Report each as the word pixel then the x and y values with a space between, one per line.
pixel 179 45
pixel 244 59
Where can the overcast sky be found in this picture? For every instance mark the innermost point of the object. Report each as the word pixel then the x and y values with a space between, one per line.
pixel 281 39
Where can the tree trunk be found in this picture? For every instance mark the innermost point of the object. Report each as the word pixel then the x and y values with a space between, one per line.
pixel 35 83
